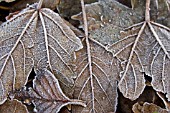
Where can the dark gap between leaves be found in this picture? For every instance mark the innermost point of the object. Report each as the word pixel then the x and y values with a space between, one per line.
pixel 126 3
pixel 148 78
pixel 125 105
pixel 30 79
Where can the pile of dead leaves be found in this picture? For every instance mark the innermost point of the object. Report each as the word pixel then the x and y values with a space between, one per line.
pixel 116 59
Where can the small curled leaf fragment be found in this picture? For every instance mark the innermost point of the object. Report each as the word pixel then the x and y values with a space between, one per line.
pixel 148 108
pixel 46 94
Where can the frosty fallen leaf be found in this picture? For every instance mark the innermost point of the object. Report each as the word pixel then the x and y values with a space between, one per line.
pixel 148 108
pixel 98 86
pixel 13 106
pixel 35 37
pixel 96 81
pixel 144 47
pixel 47 96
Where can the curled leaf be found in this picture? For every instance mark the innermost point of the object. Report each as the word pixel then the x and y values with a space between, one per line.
pixel 148 108
pixel 47 96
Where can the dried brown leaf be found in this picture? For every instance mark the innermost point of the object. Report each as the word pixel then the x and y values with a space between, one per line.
pixel 96 82
pixel 47 96
pixel 35 37
pixel 144 48
pixel 13 106
pixel 98 85
pixel 148 108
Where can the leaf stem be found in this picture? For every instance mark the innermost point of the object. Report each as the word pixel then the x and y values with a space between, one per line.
pixel 40 4
pixel 147 11
pixel 88 50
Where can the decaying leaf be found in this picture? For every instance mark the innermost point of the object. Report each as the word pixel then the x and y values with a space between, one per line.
pixel 148 108
pixel 35 37
pixel 47 95
pixel 13 106
pixel 144 47
pixel 96 81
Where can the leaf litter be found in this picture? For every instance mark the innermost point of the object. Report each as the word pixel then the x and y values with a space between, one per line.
pixel 132 51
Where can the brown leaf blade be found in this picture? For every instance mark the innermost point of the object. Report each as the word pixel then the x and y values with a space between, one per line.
pixel 13 106
pixel 129 50
pixel 16 59
pixel 148 52
pixel 47 96
pixel 161 62
pixel 144 48
pixel 99 90
pixel 39 38
pixel 56 49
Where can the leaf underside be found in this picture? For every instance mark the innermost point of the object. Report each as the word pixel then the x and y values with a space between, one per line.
pixel 47 95
pixel 38 38
pixel 98 89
